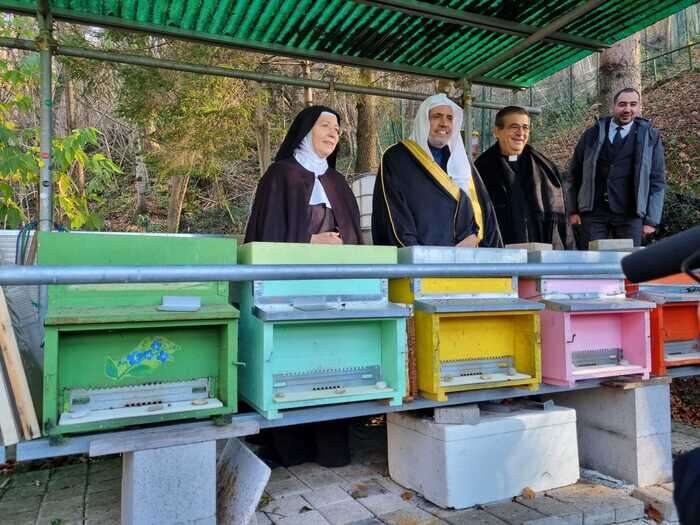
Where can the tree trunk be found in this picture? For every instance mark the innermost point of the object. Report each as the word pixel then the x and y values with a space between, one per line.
pixel 178 188
pixel 308 93
pixel 71 124
pixel 141 184
pixel 619 68
pixel 366 160
pixel 262 137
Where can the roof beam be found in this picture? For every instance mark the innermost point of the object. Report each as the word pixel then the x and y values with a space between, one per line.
pixel 533 39
pixel 490 23
pixel 203 69
pixel 77 17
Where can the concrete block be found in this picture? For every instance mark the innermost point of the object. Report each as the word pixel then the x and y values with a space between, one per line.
pixel 459 466
pixel 25 518
pixel 19 506
pixel 181 479
pixel 30 479
pixel 312 517
pixel 113 485
pixel 64 494
pixel 105 475
pixel 595 511
pixel 281 508
pixel 412 515
pixel 321 479
pixel 241 478
pixel 459 415
pixel 659 499
pixel 326 496
pixel 355 473
pixel 513 512
pixel 472 517
pixel 280 473
pixel 380 504
pixel 344 512
pixel 261 519
pixel 624 433
pixel 611 245
pixel 392 486
pixel 364 489
pixel 531 246
pixel 286 487
pixel 306 469
pixel 567 513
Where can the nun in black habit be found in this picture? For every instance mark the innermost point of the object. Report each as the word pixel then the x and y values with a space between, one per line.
pixel 301 198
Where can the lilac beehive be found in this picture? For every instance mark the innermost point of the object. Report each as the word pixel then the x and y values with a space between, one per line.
pixel 590 329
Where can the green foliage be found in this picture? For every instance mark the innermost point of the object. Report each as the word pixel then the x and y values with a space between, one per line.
pixel 20 158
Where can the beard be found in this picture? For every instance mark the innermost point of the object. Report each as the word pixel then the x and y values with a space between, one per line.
pixel 439 142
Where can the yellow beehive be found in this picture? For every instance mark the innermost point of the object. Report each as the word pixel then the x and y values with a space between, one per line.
pixel 470 333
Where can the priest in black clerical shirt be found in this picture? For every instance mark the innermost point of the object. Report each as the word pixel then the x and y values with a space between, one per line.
pixel 427 191
pixel 525 187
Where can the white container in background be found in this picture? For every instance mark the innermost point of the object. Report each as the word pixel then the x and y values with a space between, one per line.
pixel 363 188
pixel 458 466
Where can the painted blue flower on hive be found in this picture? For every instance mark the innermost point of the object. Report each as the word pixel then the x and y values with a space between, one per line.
pixel 148 355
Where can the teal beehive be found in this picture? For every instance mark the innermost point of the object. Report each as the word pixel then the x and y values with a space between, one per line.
pixel 318 342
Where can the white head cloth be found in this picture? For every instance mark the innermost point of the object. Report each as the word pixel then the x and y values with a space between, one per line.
pixel 458 167
pixel 306 155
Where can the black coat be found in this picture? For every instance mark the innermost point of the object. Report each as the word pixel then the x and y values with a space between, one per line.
pixel 529 205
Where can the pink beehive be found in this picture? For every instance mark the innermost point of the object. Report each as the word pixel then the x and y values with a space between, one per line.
pixel 589 328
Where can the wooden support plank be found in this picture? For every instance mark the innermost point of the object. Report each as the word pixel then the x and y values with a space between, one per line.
pixel 628 383
pixel 8 425
pixel 133 440
pixel 16 374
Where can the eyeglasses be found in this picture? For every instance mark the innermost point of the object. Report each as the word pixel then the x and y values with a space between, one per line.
pixel 691 266
pixel 516 127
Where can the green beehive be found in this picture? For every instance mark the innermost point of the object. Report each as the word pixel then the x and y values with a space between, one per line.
pixel 316 342
pixel 117 355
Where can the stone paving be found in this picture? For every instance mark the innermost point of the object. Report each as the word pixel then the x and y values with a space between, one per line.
pixel 362 494
pixel 358 494
pixel 77 494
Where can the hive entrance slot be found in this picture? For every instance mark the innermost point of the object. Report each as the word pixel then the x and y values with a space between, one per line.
pixel 601 357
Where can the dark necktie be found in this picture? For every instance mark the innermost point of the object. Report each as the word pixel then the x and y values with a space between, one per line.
pixel 617 139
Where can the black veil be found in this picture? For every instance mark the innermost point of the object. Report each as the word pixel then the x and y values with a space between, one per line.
pixel 301 126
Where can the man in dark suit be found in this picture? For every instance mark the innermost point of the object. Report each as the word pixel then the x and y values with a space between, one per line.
pixel 616 182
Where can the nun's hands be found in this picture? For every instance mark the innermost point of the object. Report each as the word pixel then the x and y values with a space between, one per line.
pixel 468 242
pixel 326 238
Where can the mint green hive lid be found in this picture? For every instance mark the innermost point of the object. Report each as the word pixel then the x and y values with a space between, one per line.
pixel 297 253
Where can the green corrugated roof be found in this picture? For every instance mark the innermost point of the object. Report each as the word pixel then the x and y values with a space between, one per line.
pixel 440 38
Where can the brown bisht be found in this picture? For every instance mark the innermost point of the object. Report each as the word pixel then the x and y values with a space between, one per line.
pixel 416 203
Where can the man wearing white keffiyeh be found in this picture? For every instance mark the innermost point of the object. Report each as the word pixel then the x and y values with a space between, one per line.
pixel 427 191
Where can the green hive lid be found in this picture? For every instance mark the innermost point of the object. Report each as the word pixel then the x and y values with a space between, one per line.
pixel 299 253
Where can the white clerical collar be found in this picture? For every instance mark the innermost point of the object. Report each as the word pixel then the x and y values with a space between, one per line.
pixel 512 158
pixel 623 132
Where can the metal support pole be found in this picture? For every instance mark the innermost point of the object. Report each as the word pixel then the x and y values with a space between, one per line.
pixel 467 103
pixel 270 78
pixel 45 136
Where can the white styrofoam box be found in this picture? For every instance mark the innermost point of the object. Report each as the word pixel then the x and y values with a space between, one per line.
pixel 458 466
